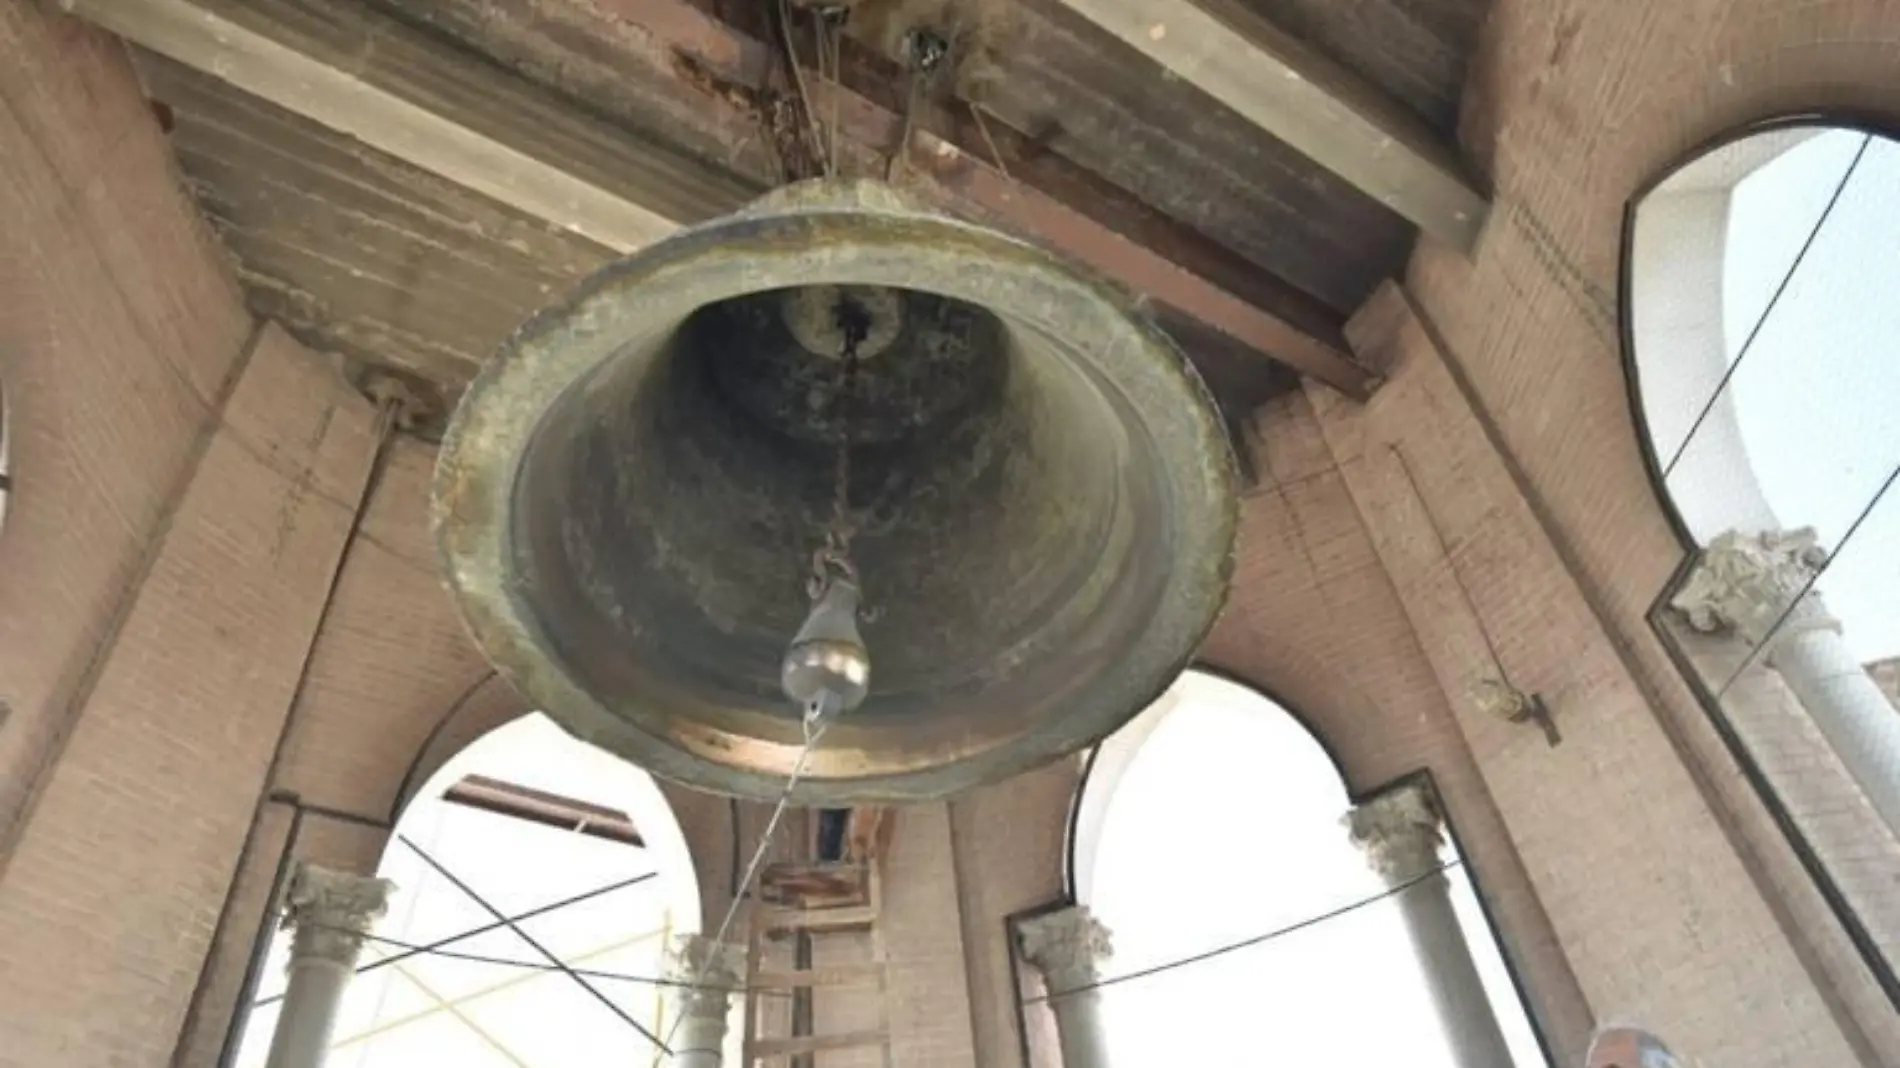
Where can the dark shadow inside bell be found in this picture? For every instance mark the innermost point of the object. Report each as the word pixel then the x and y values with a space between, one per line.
pixel 670 502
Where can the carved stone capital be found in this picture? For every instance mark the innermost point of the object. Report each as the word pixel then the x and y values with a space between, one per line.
pixel 328 913
pixel 1066 946
pixel 1400 832
pixel 1742 583
pixel 712 971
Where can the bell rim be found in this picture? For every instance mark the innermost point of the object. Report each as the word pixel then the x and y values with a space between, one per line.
pixel 493 428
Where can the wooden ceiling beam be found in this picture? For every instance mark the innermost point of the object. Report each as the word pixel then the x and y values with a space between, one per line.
pixel 1307 101
pixel 727 63
pixel 473 123
pixel 443 111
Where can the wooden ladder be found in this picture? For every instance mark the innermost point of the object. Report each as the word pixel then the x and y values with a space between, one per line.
pixel 823 900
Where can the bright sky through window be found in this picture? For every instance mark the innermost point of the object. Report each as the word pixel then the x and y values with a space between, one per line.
pixel 1225 825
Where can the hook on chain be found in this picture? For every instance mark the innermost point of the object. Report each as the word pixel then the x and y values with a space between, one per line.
pixel 829 563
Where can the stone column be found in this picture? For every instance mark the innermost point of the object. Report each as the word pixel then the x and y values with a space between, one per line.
pixel 1743 584
pixel 1066 947
pixel 711 972
pixel 328 913
pixel 1400 833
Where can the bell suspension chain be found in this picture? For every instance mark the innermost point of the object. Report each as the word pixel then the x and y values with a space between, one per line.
pixel 833 558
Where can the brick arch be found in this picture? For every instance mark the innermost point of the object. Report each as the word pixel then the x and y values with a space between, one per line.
pixel 485 703
pixel 488 702
pixel 1110 759
pixel 1325 699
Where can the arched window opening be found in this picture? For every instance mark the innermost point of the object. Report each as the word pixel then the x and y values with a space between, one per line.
pixel 1763 304
pixel 1215 818
pixel 538 885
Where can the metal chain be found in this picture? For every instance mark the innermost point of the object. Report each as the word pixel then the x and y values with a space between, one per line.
pixel 816 159
pixel 833 558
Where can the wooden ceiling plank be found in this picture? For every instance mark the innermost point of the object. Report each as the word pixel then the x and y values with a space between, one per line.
pixel 274 69
pixel 375 79
pixel 1305 100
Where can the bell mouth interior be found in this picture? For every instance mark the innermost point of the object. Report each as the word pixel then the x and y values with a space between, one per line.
pixel 669 505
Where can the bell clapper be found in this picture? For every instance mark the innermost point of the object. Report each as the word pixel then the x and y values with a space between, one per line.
pixel 827 669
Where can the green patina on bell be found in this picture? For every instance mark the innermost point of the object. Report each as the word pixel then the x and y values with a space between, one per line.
pixel 1041 499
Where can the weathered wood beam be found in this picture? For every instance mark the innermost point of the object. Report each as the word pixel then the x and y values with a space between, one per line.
pixel 476 124
pixel 729 63
pixel 443 111
pixel 1314 105
pixel 867 833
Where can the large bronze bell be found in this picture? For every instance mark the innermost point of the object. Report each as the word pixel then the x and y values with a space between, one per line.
pixel 629 497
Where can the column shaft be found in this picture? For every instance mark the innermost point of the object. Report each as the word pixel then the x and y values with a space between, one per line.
pixel 1400 832
pixel 713 970
pixel 1852 713
pixel 1760 588
pixel 1079 1030
pixel 308 1017
pixel 1451 975
pixel 700 1043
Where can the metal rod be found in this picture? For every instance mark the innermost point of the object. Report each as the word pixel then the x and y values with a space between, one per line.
pixel 485 928
pixel 260 945
pixel 1451 567
pixel 1768 310
pixel 538 947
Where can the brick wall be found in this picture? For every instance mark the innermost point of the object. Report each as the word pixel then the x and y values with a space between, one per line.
pixel 1834 817
pixel 178 479
pixel 1610 824
pixel 1008 841
pixel 119 326
pixel 121 870
pixel 1571 106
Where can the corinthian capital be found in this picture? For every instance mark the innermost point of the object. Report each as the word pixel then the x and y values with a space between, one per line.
pixel 1066 946
pixel 710 971
pixel 329 912
pixel 1400 832
pixel 1744 582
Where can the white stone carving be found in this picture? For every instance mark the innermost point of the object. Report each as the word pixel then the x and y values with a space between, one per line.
pixel 1745 582
pixel 1400 832
pixel 1067 946
pixel 711 970
pixel 329 912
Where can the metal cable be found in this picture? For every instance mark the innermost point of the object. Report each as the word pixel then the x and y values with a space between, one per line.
pixel 409 949
pixel 1768 309
pixel 553 959
pixel 1451 566
pixel 815 144
pixel 440 943
pixel 983 130
pixel 900 152
pixel 1246 943
pixel 812 736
